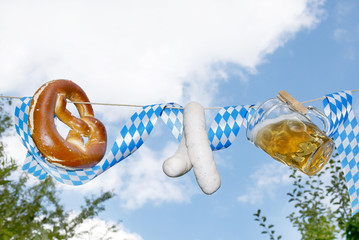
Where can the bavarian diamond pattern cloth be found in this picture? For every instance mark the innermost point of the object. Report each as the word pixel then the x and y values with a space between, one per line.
pixel 226 125
pixel 136 130
pixel 132 136
pixel 345 132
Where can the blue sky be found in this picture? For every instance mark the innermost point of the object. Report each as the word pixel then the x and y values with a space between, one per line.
pixel 235 53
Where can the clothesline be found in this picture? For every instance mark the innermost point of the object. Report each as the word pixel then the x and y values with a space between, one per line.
pixel 140 106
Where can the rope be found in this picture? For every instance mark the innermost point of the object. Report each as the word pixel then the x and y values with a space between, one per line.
pixel 140 106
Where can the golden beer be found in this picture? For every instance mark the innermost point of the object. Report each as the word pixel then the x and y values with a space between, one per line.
pixel 296 143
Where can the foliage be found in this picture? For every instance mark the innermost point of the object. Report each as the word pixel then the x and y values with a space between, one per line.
pixel 33 211
pixel 322 205
pixel 267 229
pixel 313 219
pixel 5 119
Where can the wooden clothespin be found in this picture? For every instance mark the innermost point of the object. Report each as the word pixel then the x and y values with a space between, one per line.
pixel 292 102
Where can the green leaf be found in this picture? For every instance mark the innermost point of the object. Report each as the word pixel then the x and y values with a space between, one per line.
pixel 33 206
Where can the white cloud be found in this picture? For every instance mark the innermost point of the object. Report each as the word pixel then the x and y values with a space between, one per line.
pixel 139 180
pixel 141 52
pixel 341 35
pixel 350 53
pixel 344 9
pixel 14 148
pixel 264 182
pixel 146 181
pixel 94 229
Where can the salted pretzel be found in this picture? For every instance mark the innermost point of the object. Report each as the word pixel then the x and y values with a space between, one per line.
pixel 72 152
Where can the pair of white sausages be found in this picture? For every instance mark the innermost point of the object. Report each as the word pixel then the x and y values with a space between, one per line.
pixel 194 151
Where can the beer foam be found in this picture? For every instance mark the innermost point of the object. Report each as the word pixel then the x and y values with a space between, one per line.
pixel 259 126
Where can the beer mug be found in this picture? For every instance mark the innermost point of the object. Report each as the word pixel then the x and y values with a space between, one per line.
pixel 291 137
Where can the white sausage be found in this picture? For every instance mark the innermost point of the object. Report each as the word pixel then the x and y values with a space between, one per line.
pixel 179 163
pixel 198 147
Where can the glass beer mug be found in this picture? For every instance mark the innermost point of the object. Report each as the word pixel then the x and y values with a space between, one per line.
pixel 291 137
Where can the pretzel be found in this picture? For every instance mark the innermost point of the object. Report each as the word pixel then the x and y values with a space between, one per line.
pixel 72 152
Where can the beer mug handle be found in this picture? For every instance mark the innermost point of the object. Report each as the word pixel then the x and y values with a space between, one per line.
pixel 326 124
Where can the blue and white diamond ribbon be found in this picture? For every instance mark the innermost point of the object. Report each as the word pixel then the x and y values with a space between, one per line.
pixel 226 125
pixel 132 136
pixel 136 130
pixel 345 131
pixel 222 133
